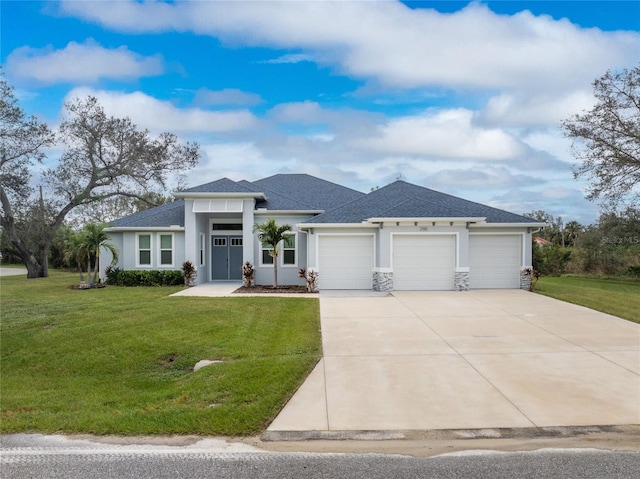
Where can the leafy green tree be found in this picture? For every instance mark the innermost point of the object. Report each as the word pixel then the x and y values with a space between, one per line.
pixel 104 157
pixel 270 234
pixel 606 139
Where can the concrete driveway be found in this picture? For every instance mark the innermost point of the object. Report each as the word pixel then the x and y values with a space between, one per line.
pixel 466 360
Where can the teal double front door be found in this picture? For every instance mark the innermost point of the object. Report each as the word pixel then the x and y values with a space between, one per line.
pixel 226 257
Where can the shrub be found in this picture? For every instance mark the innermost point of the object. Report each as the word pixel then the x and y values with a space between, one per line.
pixel 188 271
pixel 120 277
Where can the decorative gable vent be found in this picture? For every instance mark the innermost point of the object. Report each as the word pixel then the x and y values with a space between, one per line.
pixel 217 206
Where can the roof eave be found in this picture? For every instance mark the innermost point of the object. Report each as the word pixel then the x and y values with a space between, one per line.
pixel 202 194
pixel 119 229
pixel 439 219
pixel 265 211
pixel 511 225
pixel 335 225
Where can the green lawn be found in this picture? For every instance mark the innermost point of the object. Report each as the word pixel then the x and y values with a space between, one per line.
pixel 119 360
pixel 618 297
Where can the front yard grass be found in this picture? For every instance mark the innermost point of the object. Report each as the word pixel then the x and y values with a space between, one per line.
pixel 120 360
pixel 619 297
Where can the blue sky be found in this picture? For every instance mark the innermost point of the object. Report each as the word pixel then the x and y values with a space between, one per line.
pixel 464 98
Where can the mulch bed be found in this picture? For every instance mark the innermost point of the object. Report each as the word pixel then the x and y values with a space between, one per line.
pixel 268 289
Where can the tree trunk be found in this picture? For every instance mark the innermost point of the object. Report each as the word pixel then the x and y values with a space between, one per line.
pixel 34 268
pixel 275 271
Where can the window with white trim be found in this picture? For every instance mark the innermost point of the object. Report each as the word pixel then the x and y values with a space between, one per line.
pixel 143 256
pixel 289 254
pixel 166 249
pixel 265 254
pixel 202 248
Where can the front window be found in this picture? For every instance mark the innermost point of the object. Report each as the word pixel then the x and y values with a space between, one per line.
pixel 289 250
pixel 144 250
pixel 166 250
pixel 266 254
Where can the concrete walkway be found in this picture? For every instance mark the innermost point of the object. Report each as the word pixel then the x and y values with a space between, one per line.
pixel 466 360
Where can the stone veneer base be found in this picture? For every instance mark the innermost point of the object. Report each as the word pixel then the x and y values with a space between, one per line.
pixel 382 281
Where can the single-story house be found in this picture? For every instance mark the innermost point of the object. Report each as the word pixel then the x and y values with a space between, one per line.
pixel 398 237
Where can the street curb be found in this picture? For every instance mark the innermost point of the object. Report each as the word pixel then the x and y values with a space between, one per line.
pixel 449 434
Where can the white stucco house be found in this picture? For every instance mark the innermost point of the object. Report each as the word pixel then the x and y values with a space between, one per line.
pixel 398 237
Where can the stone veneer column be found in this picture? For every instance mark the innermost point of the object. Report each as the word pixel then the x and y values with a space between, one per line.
pixel 461 280
pixel 383 281
pixel 525 279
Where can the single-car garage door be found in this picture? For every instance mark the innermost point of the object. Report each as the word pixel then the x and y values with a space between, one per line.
pixel 424 262
pixel 494 261
pixel 345 261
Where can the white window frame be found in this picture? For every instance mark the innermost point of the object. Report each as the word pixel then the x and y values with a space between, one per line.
pixel 203 249
pixel 138 250
pixel 161 249
pixel 281 255
pixel 295 251
pixel 264 248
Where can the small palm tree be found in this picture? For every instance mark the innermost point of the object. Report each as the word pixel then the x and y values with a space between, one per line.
pixel 270 234
pixel 75 251
pixel 84 248
pixel 95 238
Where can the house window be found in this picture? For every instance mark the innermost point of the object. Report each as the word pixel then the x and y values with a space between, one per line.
pixel 144 250
pixel 236 241
pixel 202 247
pixel 166 250
pixel 286 252
pixel 265 254
pixel 289 250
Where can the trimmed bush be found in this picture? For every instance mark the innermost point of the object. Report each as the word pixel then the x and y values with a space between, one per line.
pixel 121 277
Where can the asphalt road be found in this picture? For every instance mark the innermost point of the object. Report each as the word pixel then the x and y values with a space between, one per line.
pixel 23 457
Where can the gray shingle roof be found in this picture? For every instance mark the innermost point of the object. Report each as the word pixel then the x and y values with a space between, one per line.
pixel 168 214
pixel 341 205
pixel 223 185
pixel 405 200
pixel 317 193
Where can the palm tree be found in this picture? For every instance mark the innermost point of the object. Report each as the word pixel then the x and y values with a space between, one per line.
pixel 270 234
pixel 77 252
pixel 96 238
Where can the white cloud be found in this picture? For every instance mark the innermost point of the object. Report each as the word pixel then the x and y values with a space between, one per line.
pixel 226 96
pixel 522 109
pixel 397 45
pixel 148 112
pixel 444 134
pixel 290 58
pixel 81 62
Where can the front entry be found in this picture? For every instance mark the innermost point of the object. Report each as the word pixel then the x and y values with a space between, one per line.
pixel 226 257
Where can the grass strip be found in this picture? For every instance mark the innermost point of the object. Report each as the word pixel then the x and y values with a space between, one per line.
pixel 619 297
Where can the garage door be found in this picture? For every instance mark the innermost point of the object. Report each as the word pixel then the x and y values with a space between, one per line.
pixel 494 261
pixel 424 262
pixel 345 262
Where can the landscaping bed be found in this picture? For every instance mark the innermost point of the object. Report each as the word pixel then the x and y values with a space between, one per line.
pixel 269 289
